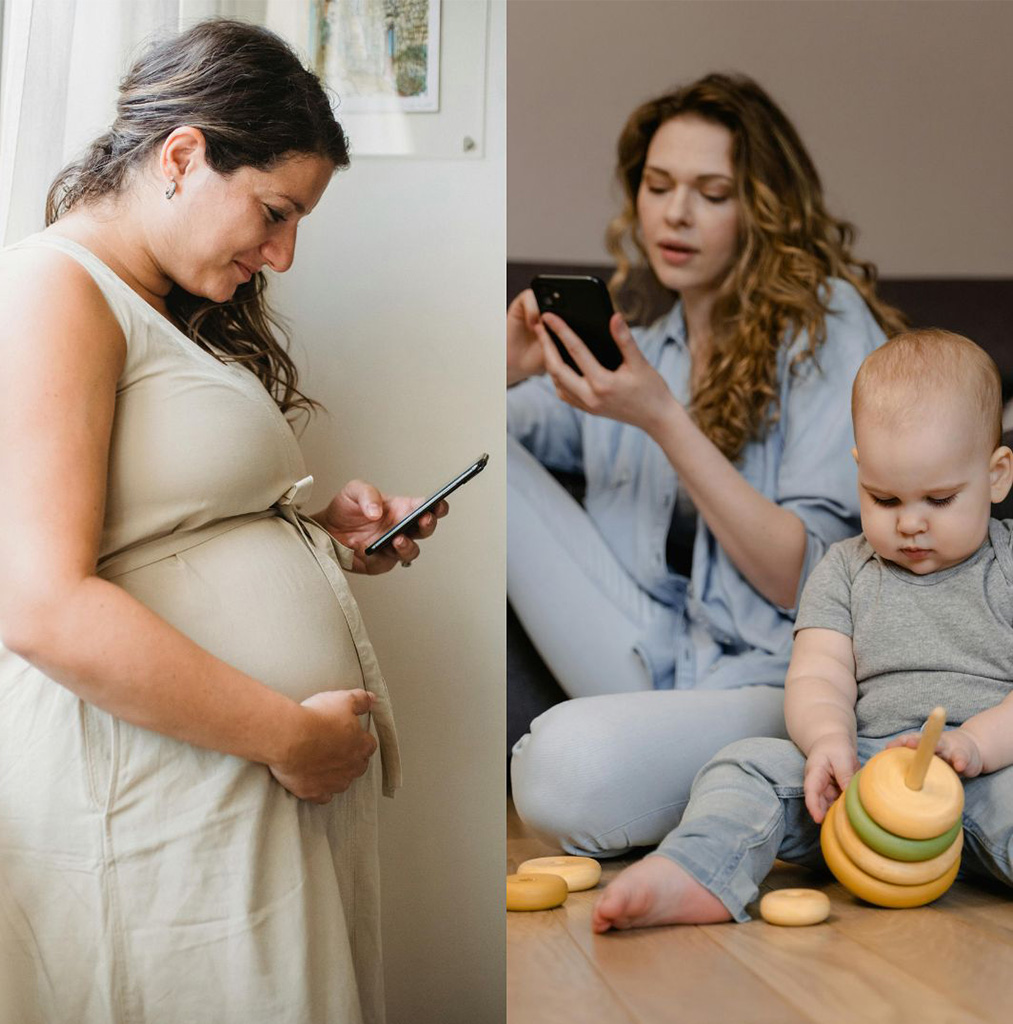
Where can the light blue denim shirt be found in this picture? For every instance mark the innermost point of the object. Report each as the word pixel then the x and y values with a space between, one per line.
pixel 722 632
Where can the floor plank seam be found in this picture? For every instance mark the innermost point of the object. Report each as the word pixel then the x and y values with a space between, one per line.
pixel 627 1009
pixel 956 1001
pixel 621 1003
pixel 757 973
pixel 967 1016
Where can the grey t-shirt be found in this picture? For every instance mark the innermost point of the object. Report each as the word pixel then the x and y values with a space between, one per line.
pixel 942 638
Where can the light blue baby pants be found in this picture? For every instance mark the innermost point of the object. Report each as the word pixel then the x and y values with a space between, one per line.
pixel 747 808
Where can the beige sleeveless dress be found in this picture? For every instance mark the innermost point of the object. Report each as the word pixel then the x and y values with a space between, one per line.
pixel 143 880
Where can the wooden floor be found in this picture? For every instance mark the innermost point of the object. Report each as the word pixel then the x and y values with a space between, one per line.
pixel 949 962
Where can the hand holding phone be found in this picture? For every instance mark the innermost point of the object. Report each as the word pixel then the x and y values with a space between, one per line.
pixel 524 355
pixel 586 306
pixel 431 502
pixel 637 395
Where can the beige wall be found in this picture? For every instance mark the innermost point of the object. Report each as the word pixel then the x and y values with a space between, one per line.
pixel 904 104
pixel 396 305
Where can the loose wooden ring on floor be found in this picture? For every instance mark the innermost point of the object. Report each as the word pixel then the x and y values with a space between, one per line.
pixel 535 892
pixel 579 873
pixel 795 908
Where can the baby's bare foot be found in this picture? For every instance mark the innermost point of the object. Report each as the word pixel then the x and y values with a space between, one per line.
pixel 656 891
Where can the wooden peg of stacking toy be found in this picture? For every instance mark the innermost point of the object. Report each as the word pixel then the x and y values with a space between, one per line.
pixel 915 777
pixel 894 836
pixel 910 792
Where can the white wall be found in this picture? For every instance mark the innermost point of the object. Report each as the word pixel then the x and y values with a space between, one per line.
pixel 396 301
pixel 904 105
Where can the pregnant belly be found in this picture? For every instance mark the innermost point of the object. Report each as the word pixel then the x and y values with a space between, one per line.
pixel 256 598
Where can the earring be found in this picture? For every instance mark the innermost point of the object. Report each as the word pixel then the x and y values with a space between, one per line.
pixel 171 190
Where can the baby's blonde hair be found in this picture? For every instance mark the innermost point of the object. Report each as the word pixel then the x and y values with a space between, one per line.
pixel 897 379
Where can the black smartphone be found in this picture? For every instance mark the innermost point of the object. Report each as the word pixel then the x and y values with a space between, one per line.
pixel 586 306
pixel 409 520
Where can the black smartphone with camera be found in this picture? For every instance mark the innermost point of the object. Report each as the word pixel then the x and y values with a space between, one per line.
pixel 586 306
pixel 434 499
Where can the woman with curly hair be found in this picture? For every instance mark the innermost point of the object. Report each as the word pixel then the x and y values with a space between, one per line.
pixel 717 461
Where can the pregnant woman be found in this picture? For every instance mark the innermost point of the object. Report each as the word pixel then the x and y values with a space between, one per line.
pixel 188 698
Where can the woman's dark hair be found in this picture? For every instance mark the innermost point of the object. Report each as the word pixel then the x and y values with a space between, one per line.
pixel 245 89
pixel 789 245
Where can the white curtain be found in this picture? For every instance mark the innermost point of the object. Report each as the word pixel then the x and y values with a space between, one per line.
pixel 62 61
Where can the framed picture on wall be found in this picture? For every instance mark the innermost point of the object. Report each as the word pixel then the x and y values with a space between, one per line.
pixel 407 76
pixel 379 54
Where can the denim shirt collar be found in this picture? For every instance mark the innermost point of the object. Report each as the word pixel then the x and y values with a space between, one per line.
pixel 671 328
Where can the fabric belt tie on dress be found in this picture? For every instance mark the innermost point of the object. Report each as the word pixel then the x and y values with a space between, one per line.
pixel 324 550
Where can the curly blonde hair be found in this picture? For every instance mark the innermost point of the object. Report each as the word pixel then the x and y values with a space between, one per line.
pixel 788 247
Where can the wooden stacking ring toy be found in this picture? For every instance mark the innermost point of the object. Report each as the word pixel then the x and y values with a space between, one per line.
pixel 912 813
pixel 578 872
pixel 900 872
pixel 886 843
pixel 874 890
pixel 535 892
pixel 795 907
pixel 913 856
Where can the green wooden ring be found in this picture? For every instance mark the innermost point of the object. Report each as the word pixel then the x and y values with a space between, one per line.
pixel 895 847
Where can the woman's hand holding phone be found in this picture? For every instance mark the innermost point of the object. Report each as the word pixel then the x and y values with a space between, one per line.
pixel 634 393
pixel 524 348
pixel 359 513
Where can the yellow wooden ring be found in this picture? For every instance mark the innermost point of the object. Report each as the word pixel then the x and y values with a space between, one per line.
pixel 886 843
pixel 912 813
pixel 535 892
pixel 898 872
pixel 578 872
pixel 795 907
pixel 870 889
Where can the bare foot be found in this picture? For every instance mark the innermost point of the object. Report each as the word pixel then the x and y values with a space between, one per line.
pixel 654 891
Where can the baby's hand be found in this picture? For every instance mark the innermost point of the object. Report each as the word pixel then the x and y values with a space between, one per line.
pixel 957 747
pixel 828 769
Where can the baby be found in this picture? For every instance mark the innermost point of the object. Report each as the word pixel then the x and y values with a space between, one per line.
pixel 916 611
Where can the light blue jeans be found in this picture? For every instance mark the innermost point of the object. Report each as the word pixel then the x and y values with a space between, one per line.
pixel 611 770
pixel 580 607
pixel 747 809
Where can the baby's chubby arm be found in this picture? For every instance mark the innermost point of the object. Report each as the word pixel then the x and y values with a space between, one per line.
pixel 819 708
pixel 983 744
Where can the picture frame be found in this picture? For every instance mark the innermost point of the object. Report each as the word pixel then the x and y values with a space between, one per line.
pixel 445 120
pixel 380 55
